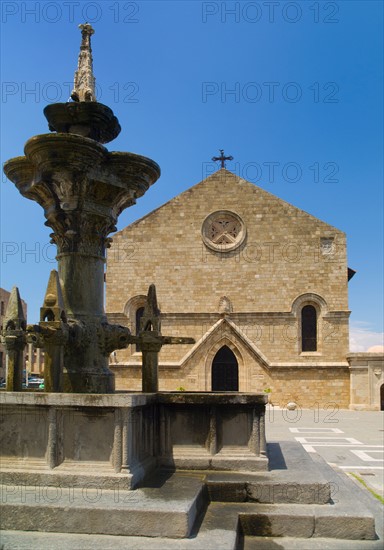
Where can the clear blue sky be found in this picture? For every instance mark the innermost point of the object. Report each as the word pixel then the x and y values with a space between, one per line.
pixel 297 84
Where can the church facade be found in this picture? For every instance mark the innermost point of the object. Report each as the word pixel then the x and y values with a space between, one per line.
pixel 260 285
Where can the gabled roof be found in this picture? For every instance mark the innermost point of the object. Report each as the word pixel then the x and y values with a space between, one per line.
pixel 231 183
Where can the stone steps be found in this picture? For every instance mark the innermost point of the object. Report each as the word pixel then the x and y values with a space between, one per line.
pixel 293 520
pixel 169 510
pixel 220 529
pixel 87 475
pixel 202 510
pixel 269 489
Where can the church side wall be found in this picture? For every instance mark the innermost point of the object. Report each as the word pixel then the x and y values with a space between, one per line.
pixel 312 387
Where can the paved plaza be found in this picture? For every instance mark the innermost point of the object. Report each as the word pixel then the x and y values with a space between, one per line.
pixel 352 441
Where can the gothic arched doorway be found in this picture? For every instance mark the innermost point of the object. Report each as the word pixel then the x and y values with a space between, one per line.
pixel 382 397
pixel 225 371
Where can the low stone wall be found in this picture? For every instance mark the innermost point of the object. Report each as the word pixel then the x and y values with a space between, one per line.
pixel 125 436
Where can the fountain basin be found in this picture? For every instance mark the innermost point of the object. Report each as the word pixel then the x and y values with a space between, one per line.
pixel 89 119
pixel 56 153
pixel 132 171
pixel 20 171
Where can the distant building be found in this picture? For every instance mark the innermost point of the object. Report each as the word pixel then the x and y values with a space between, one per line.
pixel 260 285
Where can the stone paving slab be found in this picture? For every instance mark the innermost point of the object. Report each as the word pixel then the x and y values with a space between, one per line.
pixel 291 543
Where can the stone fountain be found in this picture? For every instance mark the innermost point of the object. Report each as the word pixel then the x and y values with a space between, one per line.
pixel 82 188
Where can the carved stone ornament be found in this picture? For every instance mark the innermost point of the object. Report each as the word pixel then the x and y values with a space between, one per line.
pixel 225 305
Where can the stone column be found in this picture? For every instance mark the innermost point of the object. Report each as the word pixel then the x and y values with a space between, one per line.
pixel 81 275
pixel 52 451
pixel 38 360
pixel 150 346
pixel 31 359
pixel 165 432
pixel 14 363
pixel 53 369
pixel 118 441
pixel 254 440
pixel 263 440
pixel 212 434
pixel 128 442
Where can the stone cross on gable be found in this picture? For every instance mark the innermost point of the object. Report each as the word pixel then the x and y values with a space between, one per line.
pixel 151 341
pixel 222 158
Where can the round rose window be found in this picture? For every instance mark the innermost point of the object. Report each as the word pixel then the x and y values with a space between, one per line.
pixel 223 231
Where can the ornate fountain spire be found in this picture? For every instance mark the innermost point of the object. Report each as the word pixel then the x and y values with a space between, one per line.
pixel 85 116
pixel 84 86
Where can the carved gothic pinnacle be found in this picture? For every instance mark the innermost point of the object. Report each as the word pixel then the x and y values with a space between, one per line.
pixel 14 316
pixel 150 320
pixel 53 307
pixel 13 339
pixel 84 86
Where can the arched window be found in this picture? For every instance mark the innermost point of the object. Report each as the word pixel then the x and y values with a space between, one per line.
pixel 308 328
pixel 225 371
